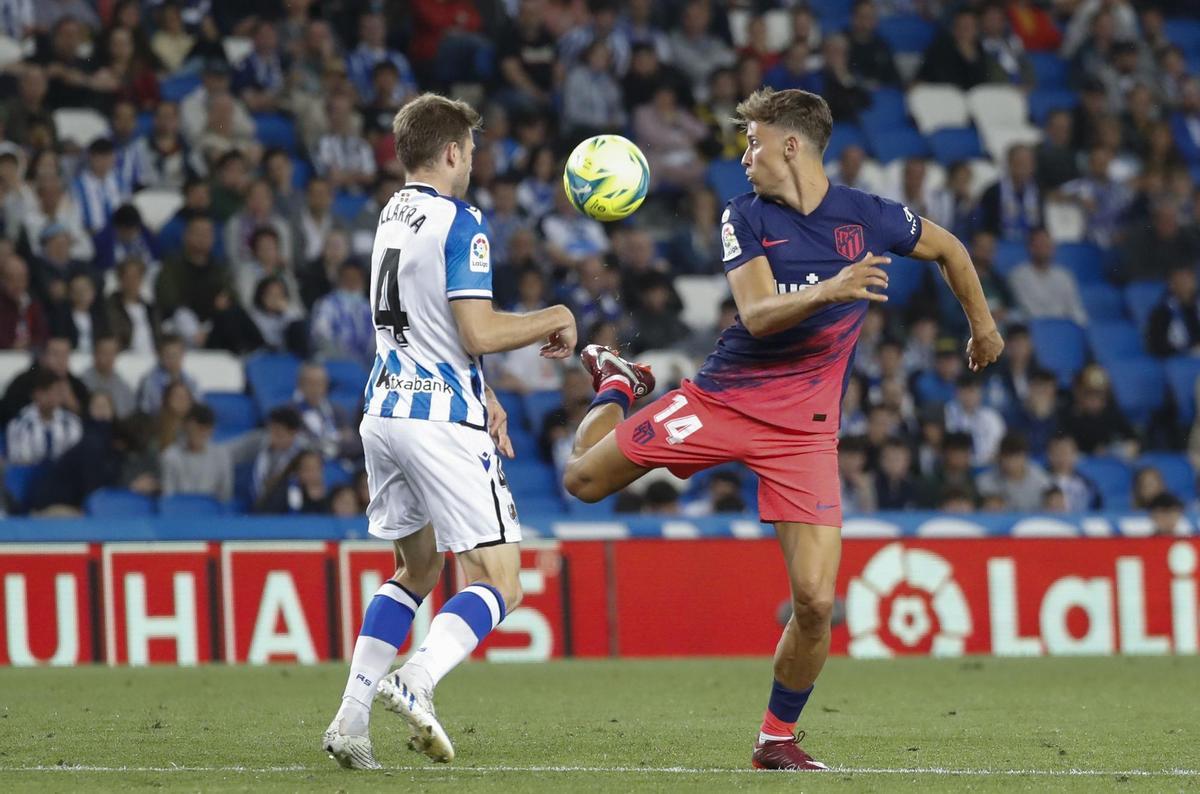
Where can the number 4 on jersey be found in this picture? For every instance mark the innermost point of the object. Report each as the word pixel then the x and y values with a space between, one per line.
pixel 680 427
pixel 389 313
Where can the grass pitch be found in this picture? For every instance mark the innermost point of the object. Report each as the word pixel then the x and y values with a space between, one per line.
pixel 919 724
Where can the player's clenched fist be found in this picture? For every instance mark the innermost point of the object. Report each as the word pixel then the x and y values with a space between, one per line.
pixel 854 282
pixel 561 342
pixel 984 348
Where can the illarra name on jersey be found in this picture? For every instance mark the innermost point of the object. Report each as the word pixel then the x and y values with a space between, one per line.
pixel 429 250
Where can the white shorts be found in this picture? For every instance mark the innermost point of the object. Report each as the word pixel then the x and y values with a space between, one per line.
pixel 420 471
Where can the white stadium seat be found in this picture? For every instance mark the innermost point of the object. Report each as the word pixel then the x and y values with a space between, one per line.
pixel 132 367
pixel 984 174
pixel 1066 221
pixel 10 51
pixel 12 364
pixel 998 106
pixel 998 140
pixel 779 28
pixel 701 296
pixel 936 106
pixel 670 366
pixel 215 370
pixel 237 48
pixel 80 126
pixel 157 206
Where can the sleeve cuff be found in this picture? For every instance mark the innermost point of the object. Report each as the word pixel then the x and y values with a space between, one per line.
pixel 460 294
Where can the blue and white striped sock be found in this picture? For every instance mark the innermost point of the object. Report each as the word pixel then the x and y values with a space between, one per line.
pixel 385 625
pixel 454 632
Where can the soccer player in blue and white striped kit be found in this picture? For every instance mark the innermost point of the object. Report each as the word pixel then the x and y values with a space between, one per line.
pixel 433 433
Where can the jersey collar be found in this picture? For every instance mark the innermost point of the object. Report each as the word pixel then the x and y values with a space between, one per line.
pixel 423 187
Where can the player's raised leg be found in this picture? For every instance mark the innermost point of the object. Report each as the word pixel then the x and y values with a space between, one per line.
pixel 811 554
pixel 597 467
pixel 385 626
pixel 493 576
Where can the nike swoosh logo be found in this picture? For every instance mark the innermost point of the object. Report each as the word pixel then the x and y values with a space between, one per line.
pixel 769 243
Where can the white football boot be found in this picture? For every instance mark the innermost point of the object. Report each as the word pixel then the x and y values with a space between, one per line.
pixel 405 694
pixel 349 750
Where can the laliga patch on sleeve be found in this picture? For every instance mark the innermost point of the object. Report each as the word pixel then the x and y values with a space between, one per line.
pixel 480 258
pixel 729 242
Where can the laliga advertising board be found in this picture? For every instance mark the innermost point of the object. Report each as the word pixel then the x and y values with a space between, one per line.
pixel 301 601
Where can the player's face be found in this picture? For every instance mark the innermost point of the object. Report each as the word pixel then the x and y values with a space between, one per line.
pixel 766 166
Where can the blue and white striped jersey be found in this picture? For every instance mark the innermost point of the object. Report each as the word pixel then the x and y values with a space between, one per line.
pixel 429 250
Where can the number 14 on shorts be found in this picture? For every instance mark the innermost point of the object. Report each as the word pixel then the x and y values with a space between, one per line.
pixel 679 428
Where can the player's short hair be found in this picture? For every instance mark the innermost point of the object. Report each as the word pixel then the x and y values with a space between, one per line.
pixel 424 126
pixel 794 109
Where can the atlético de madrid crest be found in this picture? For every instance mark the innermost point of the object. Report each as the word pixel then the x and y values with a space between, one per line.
pixel 848 240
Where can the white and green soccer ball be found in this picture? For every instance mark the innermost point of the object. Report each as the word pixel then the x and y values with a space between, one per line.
pixel 606 177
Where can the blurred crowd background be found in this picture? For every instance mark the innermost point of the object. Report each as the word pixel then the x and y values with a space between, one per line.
pixel 189 193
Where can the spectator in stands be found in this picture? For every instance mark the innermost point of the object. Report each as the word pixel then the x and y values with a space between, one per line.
pixel 1019 482
pixel 1005 53
pixel 504 220
pixel 298 488
pixel 649 70
pixel 1166 513
pixel 135 322
pixel 223 134
pixel 1172 75
pixel 557 433
pixel 595 296
pixel 726 139
pixel 794 70
pixel 14 193
pixel 870 55
pixel 894 483
pixel 275 314
pixel 916 192
pixel 571 237
pixel 259 79
pixel 592 101
pixel 966 413
pixel 668 135
pixel 995 288
pixel 75 80
pixel 44 429
pixel 197 200
pixel 1103 199
pixel 171 42
pixel 54 269
pixel 937 385
pixel 102 376
pixel 23 321
pixel 343 502
pixel 1174 327
pixel 694 50
pixel 81 318
pixel 757 40
pixel 1054 501
pixel 883 423
pixel 1056 161
pixel 195 465
pixel 125 237
pixel 703 339
pixel 526 58
pixel 660 498
pixel 191 281
pixel 849 171
pixel 54 205
pixel 232 180
pixel 1043 288
pixel 1079 493
pixel 166 427
pixel 525 369
pixel 539 184
pixel 193 111
pixel 283 442
pixel 90 463
pixel 858 486
pixel 168 370
pixel 127 69
pixel 161 156
pixel 371 51
pixel 953 473
pixel 1148 485
pixel 343 156
pixel 313 223
pixel 97 189
pixel 1091 52
pixel 28 107
pixel 280 173
pixel 1012 207
pixel 54 356
pixel 955 56
pixel 342 322
pixel 838 83
pixel 656 322
pixel 267 261
pixel 319 277
pixel 695 248
pixel 1094 420
pixel 1036 417
pixel 326 427
pixel 258 213
pixel 1150 252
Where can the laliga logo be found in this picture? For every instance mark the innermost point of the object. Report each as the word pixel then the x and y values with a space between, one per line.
pixel 906 601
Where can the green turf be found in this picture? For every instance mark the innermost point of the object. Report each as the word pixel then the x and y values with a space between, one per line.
pixel 1104 715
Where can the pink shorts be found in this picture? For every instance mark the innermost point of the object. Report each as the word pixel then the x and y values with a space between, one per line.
pixel 687 430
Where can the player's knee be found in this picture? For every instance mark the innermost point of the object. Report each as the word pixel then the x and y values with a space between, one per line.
pixel 580 484
pixel 509 589
pixel 812 607
pixel 421 574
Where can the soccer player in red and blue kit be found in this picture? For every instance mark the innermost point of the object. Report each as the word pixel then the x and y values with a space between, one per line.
pixel 803 259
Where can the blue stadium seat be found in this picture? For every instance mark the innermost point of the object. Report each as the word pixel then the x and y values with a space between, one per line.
pixel 346 206
pixel 906 32
pixel 301 172
pixel 243 485
pixel 1140 299
pixel 176 87
pixel 19 481
pixel 336 474
pixel 1009 254
pixel 888 108
pixel 1183 139
pixel 190 504
pixel 1059 346
pixel 145 124
pixel 1182 372
pixel 598 511
pixel 1085 260
pixel 1139 385
pixel 345 374
pixel 514 406
pixel 890 143
pixel 1114 340
pixel 1176 471
pixel 528 476
pixel 236 413
pixel 1104 302
pixel 272 378
pixel 275 130
pixel 1184 32
pixel 537 405
pixel 727 178
pixel 951 145
pixel 905 279
pixel 1044 101
pixel 844 134
pixel 118 503
pixel 540 507
pixel 523 440
pixel 1112 479
pixel 1051 70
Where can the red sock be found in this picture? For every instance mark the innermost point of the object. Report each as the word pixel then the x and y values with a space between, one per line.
pixel 618 382
pixel 775 728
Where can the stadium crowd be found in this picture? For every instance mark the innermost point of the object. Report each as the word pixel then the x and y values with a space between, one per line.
pixel 267 134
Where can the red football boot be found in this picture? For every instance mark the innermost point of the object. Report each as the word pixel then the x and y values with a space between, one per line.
pixel 784 754
pixel 604 362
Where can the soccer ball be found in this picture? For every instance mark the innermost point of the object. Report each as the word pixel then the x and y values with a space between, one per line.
pixel 606 177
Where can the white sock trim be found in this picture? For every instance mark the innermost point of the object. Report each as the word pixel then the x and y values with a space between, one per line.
pixel 397 594
pixel 489 598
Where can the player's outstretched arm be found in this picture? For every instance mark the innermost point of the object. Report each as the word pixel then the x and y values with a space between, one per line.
pixel 938 245
pixel 765 311
pixel 482 329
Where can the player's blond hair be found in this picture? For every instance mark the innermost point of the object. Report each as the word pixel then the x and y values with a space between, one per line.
pixel 800 111
pixel 424 126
